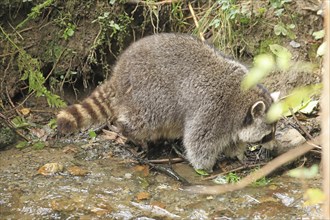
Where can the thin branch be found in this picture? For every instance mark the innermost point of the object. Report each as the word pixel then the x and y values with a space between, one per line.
pixel 166 161
pixel 300 125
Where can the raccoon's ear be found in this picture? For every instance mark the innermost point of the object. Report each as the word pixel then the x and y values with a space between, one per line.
pixel 258 109
pixel 275 96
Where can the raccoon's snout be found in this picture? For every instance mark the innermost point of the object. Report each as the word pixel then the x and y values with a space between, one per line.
pixel 267 138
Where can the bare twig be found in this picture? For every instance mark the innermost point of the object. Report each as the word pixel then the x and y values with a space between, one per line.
pixel 264 171
pixel 11 103
pixel 301 126
pixel 166 161
pixel 166 170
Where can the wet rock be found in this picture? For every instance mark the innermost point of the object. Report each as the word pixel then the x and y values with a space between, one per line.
pixel 7 135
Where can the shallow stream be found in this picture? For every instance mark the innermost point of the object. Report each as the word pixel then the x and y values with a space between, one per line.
pixel 100 181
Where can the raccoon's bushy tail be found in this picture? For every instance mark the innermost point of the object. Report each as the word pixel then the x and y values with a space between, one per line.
pixel 94 109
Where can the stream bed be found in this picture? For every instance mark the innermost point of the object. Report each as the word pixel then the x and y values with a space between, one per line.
pixel 100 181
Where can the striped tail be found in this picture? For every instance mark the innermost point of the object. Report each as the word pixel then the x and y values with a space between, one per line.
pixel 95 109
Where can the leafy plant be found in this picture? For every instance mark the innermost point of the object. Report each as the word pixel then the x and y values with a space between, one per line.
pixel 22 144
pixel 201 172
pixel 38 145
pixel 232 178
pixel 278 6
pixel 225 21
pixel 92 134
pixel 31 72
pixel 285 30
pixel 19 122
pixel 35 12
pixel 264 64
pixel 69 31
pixel 264 181
pixel 52 123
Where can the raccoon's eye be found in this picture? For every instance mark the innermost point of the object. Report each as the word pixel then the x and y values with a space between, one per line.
pixel 267 138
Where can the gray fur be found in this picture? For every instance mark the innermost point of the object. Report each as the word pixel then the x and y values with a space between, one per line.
pixel 173 85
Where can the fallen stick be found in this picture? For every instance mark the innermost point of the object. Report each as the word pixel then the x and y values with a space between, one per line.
pixel 264 171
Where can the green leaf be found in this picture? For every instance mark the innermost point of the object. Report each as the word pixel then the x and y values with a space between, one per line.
pixel 283 56
pixel 304 173
pixel 232 178
pixel 22 144
pixel 19 122
pixel 296 100
pixel 279 51
pixel 38 145
pixel 262 182
pixel 280 29
pixel 322 49
pixel 263 65
pixel 314 196
pixel 52 123
pixel 291 26
pixel 319 34
pixel 70 32
pixel 279 12
pixel 92 134
pixel 308 109
pixel 202 172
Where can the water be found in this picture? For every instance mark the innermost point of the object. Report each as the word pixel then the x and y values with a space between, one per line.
pixel 112 187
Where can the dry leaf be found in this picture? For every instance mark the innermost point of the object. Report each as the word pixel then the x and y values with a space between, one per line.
pixel 38 132
pixel 50 169
pixel 114 136
pixel 71 148
pixel 77 171
pixel 143 196
pixel 110 135
pixel 25 111
pixel 144 169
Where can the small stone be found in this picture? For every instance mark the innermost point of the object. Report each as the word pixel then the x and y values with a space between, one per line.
pixel 294 44
pixel 287 139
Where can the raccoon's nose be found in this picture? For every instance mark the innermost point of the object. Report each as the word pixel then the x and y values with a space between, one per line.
pixel 267 138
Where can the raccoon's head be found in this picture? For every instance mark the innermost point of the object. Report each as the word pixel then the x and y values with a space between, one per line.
pixel 255 127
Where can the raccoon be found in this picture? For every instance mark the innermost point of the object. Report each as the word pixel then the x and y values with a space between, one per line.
pixel 175 86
